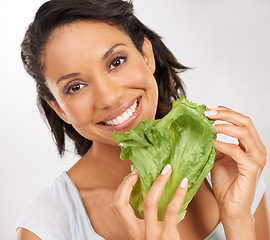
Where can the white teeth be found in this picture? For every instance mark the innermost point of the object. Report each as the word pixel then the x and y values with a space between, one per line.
pixel 124 117
pixel 129 112
pixel 120 119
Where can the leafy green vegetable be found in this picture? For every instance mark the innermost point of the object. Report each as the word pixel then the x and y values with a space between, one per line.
pixel 184 139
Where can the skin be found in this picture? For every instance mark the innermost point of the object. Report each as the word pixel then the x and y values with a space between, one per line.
pixel 108 75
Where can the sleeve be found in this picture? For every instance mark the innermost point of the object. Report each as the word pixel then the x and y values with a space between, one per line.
pixel 47 216
pixel 34 217
pixel 32 226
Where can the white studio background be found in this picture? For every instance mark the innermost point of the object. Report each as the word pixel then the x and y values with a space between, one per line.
pixel 225 42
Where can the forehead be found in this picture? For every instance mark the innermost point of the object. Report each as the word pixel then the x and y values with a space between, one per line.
pixel 94 28
pixel 80 41
pixel 85 32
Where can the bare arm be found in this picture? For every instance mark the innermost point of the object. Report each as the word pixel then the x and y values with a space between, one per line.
pixel 24 234
pixel 262 224
pixel 235 175
pixel 258 226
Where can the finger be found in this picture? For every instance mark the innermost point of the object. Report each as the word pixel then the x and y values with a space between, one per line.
pixel 124 211
pixel 151 201
pixel 240 133
pixel 230 149
pixel 228 115
pixel 245 165
pixel 120 204
pixel 173 208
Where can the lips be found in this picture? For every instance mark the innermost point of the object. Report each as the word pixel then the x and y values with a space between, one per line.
pixel 123 115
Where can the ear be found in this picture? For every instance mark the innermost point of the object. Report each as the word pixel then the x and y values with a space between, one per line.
pixel 59 111
pixel 148 54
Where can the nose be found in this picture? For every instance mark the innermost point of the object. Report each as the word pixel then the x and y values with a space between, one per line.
pixel 108 92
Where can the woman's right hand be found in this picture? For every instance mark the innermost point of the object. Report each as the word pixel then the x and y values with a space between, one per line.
pixel 150 227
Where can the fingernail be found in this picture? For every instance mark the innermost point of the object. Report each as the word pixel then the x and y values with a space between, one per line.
pixel 135 171
pixel 211 106
pixel 210 113
pixel 166 169
pixel 184 183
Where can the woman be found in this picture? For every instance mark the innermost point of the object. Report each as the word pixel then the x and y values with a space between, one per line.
pixel 99 70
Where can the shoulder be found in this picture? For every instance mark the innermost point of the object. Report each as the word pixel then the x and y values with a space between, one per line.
pixel 50 200
pixel 48 214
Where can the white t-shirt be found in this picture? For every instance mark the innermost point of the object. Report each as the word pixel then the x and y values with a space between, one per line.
pixel 58 214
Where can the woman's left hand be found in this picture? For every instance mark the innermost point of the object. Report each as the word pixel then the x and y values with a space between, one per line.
pixel 238 166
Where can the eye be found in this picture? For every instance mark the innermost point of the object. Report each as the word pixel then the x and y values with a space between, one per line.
pixel 117 62
pixel 74 88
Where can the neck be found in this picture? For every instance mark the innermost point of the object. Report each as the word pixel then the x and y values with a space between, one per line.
pixel 105 164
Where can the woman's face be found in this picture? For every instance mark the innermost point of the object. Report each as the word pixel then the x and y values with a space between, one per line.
pixel 100 81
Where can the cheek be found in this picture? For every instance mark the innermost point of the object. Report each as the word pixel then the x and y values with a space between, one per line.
pixel 79 112
pixel 140 76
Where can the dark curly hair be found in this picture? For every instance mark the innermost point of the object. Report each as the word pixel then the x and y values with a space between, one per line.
pixel 117 13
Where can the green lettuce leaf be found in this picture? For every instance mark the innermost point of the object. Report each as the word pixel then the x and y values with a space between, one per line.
pixel 184 139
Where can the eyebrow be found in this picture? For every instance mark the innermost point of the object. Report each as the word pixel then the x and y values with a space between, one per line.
pixel 109 51
pixel 70 75
pixel 106 54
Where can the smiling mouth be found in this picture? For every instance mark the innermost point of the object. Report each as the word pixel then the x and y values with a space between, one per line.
pixel 123 117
